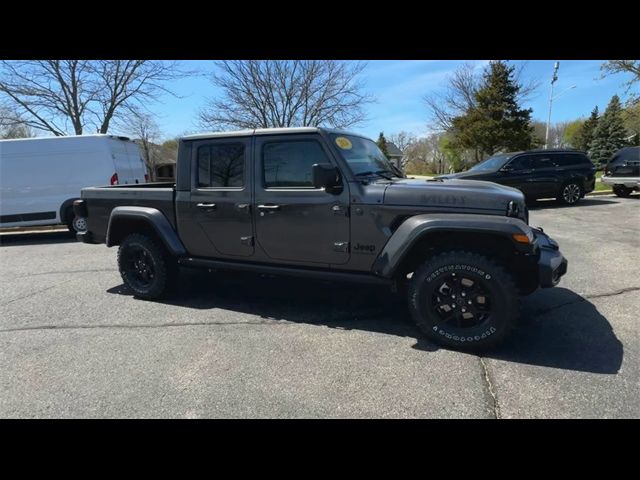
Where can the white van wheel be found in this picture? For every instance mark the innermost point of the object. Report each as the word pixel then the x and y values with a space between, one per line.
pixel 78 224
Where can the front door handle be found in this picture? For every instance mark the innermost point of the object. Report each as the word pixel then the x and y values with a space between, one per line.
pixel 206 206
pixel 269 207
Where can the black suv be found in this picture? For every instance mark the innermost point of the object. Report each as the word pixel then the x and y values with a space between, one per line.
pixel 566 175
pixel 623 171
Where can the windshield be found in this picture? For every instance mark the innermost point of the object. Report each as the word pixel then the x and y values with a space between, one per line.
pixel 363 156
pixel 492 163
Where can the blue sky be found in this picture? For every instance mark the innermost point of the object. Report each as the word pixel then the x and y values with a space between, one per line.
pixel 400 85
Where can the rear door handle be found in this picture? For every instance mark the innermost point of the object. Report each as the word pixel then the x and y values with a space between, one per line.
pixel 206 206
pixel 268 207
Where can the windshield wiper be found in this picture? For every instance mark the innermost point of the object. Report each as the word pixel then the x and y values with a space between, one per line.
pixel 380 173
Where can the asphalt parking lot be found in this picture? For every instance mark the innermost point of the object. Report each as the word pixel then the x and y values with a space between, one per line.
pixel 75 343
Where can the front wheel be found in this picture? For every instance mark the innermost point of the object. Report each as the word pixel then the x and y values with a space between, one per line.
pixel 622 191
pixel 463 300
pixel 145 267
pixel 570 193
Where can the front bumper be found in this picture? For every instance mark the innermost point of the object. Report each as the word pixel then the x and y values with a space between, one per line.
pixel 551 265
pixel 630 182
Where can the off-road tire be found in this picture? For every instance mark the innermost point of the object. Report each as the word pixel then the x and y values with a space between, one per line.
pixel 163 266
pixel 493 278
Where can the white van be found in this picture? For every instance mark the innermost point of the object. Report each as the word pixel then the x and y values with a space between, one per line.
pixel 41 177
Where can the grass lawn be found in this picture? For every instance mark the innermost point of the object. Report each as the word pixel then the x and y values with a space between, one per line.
pixel 600 187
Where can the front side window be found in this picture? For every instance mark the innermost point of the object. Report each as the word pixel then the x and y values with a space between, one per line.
pixel 221 165
pixel 491 164
pixel 288 164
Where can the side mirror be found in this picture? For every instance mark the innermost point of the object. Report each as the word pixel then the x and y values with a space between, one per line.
pixel 325 176
pixel 506 169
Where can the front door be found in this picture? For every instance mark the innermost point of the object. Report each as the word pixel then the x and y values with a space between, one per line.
pixel 219 207
pixel 296 222
pixel 518 174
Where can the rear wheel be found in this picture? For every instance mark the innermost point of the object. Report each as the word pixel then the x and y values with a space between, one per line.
pixel 570 193
pixel 74 224
pixel 463 300
pixel 145 267
pixel 77 225
pixel 622 191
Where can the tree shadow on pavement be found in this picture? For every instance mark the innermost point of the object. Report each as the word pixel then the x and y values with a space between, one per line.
pixel 574 337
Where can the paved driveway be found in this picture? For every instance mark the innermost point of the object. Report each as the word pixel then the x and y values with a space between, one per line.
pixel 74 343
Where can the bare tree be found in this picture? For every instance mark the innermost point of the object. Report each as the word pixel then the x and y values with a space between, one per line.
pixel 11 126
pixel 62 96
pixel 459 93
pixel 286 93
pixel 557 134
pixel 611 67
pixel 403 140
pixel 146 132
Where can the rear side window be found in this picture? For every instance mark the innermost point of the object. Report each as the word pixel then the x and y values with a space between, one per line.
pixel 221 165
pixel 542 161
pixel 288 164
pixel 570 159
pixel 529 162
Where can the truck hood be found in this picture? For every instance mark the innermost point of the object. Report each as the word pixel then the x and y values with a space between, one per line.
pixel 467 174
pixel 473 194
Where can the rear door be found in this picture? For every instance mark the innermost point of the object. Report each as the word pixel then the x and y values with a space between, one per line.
pixel 544 180
pixel 136 163
pixel 216 220
pixel 571 166
pixel 296 222
pixel 121 161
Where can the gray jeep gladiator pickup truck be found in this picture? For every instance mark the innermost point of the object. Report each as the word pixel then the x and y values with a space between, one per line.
pixel 327 204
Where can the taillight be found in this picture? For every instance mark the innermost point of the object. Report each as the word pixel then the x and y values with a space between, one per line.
pixel 146 178
pixel 114 179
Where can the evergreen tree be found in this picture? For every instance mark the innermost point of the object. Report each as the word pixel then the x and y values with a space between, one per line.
pixel 585 137
pixel 382 144
pixel 610 133
pixel 496 121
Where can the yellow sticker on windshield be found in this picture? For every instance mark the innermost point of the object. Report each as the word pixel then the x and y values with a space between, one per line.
pixel 344 143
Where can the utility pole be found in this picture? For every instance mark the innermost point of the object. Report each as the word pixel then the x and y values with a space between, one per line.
pixel 553 80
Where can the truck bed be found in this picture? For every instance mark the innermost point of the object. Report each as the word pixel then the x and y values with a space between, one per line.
pixel 102 200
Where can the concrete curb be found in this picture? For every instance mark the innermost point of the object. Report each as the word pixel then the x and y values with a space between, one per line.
pixel 600 193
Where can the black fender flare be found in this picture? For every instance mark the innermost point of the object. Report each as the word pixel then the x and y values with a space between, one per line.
pixel 415 228
pixel 154 218
pixel 65 206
